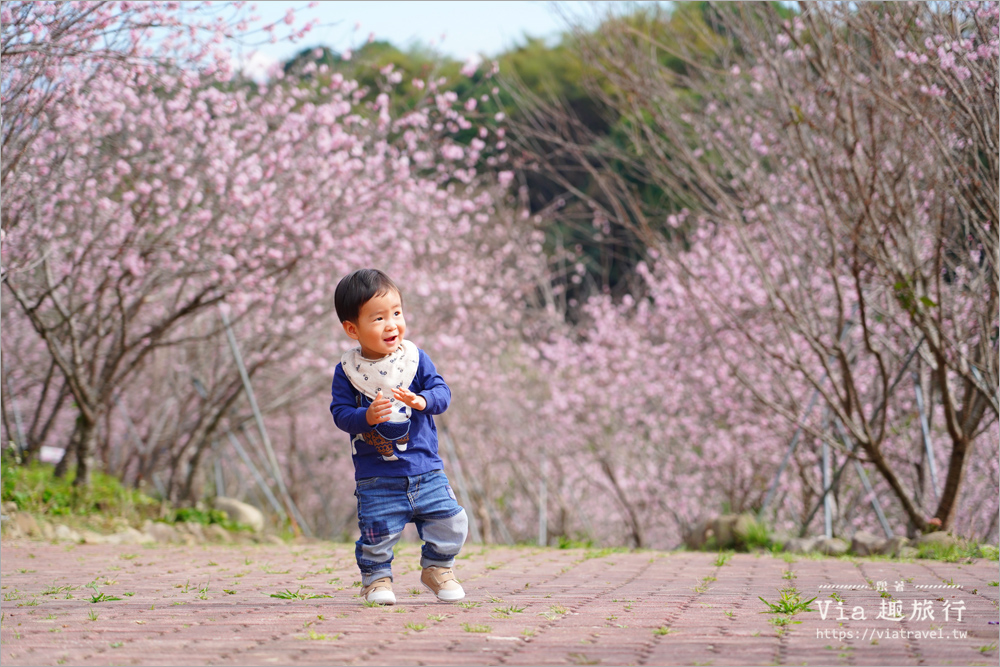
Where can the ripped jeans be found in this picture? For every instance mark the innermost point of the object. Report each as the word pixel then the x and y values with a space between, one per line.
pixel 387 504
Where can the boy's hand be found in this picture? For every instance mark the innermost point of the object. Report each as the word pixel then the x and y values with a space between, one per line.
pixel 379 411
pixel 415 401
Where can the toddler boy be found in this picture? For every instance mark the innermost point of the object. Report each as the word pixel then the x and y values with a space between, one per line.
pixel 385 393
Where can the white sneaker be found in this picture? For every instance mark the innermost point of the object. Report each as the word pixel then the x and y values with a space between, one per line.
pixel 379 592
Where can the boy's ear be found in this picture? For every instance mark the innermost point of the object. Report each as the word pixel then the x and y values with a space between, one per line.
pixel 351 329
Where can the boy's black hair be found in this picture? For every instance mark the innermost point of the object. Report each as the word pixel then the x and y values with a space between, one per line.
pixel 357 288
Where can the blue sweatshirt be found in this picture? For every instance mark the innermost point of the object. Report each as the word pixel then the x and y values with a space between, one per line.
pixel 413 443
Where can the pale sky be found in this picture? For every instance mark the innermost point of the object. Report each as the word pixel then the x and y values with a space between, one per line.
pixel 469 28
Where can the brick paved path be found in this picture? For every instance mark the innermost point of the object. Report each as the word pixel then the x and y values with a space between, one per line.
pixel 212 605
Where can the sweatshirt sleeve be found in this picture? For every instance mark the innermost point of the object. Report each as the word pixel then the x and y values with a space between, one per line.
pixel 431 386
pixel 344 408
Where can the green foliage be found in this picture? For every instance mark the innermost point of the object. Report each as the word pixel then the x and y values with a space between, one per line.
pixel 569 543
pixel 475 627
pixel 297 595
pixel 961 551
pixel 757 536
pixel 723 557
pixel 790 602
pixel 34 488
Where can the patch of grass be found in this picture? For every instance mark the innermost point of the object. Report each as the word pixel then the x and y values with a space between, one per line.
pixel 781 621
pixel 475 627
pixel 568 543
pixel 93 615
pixel 554 612
pixel 312 635
pixel 35 489
pixel 757 536
pixel 723 558
pixel 54 590
pixel 507 611
pixel 601 553
pixel 203 591
pixel 469 604
pixel 297 595
pixel 267 569
pixel 987 648
pixel 416 627
pixel 960 551
pixel 437 618
pixel 663 630
pixel 101 597
pixel 790 602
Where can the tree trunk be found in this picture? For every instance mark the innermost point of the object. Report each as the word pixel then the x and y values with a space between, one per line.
pixel 85 452
pixel 69 452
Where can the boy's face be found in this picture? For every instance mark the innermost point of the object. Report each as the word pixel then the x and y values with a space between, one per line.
pixel 380 326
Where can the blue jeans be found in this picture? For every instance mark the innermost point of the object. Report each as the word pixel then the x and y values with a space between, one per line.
pixel 387 504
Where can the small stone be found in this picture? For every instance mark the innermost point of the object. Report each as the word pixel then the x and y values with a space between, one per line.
pixel 894 545
pixel 800 545
pixel 695 540
pixel 131 536
pixel 938 538
pixel 90 537
pixel 66 534
pixel 48 532
pixel 162 533
pixel 908 552
pixel 216 533
pixel 240 512
pixel 864 543
pixel 831 546
pixel 27 524
pixel 724 528
pixel 195 529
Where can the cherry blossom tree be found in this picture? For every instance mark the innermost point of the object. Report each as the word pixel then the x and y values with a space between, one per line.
pixel 833 202
pixel 144 204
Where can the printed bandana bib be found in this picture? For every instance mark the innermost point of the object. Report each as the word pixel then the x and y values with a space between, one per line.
pixel 368 376
pixel 387 373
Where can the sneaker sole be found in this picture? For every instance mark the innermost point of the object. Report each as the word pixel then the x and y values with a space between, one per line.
pixel 385 601
pixel 438 595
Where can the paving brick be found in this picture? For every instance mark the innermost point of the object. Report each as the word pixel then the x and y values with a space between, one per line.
pixel 212 605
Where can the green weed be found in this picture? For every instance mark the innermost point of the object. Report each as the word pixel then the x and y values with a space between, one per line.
pixel 475 627
pixel 297 595
pixel 790 602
